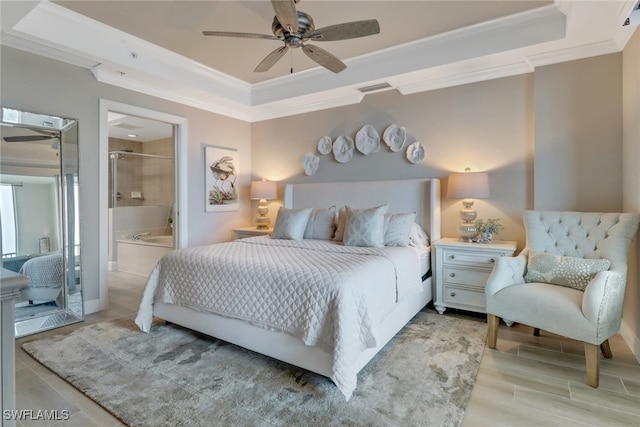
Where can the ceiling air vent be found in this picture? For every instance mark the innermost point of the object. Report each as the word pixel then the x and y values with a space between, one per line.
pixel 375 87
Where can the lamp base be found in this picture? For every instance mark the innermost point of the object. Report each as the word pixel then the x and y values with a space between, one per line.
pixel 467 231
pixel 262 220
pixel 262 223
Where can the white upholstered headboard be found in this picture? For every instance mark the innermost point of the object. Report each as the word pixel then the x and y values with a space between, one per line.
pixel 416 195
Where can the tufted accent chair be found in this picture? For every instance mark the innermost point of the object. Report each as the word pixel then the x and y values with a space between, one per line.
pixel 592 316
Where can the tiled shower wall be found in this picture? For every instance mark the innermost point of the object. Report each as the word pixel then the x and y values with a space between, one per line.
pixel 152 177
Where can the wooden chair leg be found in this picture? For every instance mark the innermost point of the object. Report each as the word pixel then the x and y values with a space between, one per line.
pixel 592 356
pixel 606 349
pixel 493 322
pixel 536 332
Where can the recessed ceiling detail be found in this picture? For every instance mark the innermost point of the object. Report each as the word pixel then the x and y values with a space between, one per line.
pixel 422 45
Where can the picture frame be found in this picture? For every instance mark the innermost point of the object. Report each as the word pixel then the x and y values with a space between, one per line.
pixel 221 186
pixel 45 245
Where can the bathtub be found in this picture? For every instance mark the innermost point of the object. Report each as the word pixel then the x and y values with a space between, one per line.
pixel 140 256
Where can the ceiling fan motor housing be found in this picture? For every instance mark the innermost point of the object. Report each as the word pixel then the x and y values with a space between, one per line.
pixel 305 26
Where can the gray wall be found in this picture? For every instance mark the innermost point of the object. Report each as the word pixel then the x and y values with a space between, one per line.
pixel 485 126
pixel 578 135
pixel 549 140
pixel 631 184
pixel 38 84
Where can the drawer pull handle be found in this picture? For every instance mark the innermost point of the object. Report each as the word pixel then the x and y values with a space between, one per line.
pixel 453 294
pixel 492 260
pixel 452 275
pixel 452 257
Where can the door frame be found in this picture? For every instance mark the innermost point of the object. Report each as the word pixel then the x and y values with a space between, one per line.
pixel 180 221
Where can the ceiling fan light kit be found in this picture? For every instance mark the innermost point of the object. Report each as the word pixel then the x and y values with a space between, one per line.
pixel 294 28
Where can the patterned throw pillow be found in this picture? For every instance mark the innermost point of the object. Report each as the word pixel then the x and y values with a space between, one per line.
pixel 321 224
pixel 365 227
pixel 291 223
pixel 560 270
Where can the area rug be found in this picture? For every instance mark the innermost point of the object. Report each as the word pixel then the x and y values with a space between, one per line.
pixel 176 377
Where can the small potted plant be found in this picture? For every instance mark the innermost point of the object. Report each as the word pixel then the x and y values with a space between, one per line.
pixel 486 229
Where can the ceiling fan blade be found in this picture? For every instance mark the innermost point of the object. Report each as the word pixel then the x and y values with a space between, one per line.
pixel 324 58
pixel 348 30
pixel 270 60
pixel 286 13
pixel 27 138
pixel 241 35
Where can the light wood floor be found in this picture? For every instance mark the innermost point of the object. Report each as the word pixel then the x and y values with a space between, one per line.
pixel 526 381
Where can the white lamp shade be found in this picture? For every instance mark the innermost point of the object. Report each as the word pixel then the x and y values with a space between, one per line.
pixel 468 185
pixel 263 190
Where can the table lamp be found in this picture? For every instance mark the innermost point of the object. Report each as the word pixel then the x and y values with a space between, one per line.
pixel 468 186
pixel 263 191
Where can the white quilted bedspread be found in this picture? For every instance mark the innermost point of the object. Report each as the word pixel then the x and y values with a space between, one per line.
pixel 45 271
pixel 325 294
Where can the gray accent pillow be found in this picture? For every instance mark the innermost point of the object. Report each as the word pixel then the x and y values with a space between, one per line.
pixel 397 227
pixel 321 225
pixel 364 227
pixel 291 223
pixel 560 270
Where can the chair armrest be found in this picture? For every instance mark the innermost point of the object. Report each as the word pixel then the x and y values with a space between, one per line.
pixel 602 301
pixel 507 271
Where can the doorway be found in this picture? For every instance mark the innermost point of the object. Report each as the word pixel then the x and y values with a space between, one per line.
pixel 118 120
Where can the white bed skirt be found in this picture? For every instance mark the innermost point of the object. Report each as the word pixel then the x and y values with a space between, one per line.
pixel 283 346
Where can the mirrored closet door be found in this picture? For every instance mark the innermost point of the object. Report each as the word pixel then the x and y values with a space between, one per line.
pixel 39 217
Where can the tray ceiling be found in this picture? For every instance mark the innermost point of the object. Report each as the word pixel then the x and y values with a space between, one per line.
pixel 157 47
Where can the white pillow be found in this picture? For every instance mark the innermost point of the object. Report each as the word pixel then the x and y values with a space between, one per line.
pixel 397 227
pixel 321 224
pixel 364 227
pixel 342 216
pixel 291 223
pixel 418 237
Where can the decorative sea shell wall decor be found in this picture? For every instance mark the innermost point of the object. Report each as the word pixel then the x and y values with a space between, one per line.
pixel 367 140
pixel 415 152
pixel 324 145
pixel 310 163
pixel 343 149
pixel 395 137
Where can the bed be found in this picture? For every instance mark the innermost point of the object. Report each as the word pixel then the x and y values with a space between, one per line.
pixel 47 277
pixel 175 291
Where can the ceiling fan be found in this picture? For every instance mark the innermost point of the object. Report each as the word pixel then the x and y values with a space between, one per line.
pixel 43 137
pixel 294 28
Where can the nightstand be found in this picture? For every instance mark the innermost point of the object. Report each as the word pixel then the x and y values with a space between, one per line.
pixel 462 270
pixel 244 232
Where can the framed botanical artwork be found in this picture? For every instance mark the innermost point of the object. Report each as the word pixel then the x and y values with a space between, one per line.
pixel 220 182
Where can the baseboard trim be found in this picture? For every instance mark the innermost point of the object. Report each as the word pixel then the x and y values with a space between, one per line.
pixel 631 339
pixel 91 306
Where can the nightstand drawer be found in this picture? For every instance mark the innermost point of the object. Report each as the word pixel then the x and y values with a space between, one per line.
pixel 462 270
pixel 477 258
pixel 466 276
pixel 461 296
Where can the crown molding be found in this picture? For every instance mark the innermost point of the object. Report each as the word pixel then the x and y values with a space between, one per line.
pixel 426 83
pixel 48 51
pixel 172 92
pixel 498 48
pixel 332 99
pixel 573 53
pixel 516 31
pixel 56 27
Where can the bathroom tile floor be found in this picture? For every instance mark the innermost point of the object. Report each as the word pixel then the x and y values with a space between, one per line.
pixel 526 381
